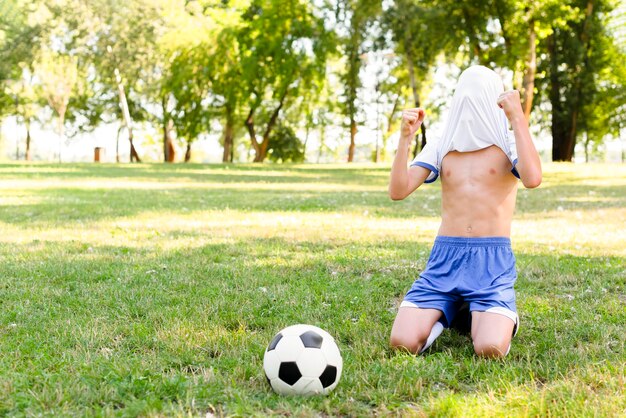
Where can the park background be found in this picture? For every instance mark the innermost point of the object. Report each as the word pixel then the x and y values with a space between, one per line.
pixel 153 289
pixel 320 81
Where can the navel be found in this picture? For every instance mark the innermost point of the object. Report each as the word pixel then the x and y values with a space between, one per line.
pixel 469 229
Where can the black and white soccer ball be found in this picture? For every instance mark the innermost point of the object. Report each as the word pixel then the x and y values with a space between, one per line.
pixel 302 360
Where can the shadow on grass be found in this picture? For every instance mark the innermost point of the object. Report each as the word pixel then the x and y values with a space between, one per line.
pixel 201 173
pixel 213 189
pixel 60 206
pixel 104 324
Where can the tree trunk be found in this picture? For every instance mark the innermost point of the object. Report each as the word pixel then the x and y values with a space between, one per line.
pixel 416 97
pixel 117 144
pixel 27 154
pixel 475 50
pixel 423 129
pixel 261 149
pixel 389 130
pixel 229 133
pixel 188 152
pixel 169 152
pixel 559 126
pixel 528 83
pixel 352 146
pixel 306 139
pixel 272 123
pixel 352 84
pixel 252 133
pixel 322 140
pixel 264 145
pixel 126 115
pixel 565 118
pixel 61 127
pixel 134 157
pixel 585 39
pixel 500 9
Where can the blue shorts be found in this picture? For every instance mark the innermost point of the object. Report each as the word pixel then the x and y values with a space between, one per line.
pixel 479 271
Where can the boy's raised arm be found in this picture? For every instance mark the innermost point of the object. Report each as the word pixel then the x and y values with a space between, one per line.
pixel 403 181
pixel 528 162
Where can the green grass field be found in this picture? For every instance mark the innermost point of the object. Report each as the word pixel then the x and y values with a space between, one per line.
pixel 153 290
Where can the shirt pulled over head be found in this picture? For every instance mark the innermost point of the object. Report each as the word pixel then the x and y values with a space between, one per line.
pixel 475 121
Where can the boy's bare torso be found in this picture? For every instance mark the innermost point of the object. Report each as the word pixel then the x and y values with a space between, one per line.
pixel 478 194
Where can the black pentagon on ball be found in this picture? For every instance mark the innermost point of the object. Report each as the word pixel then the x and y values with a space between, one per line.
pixel 329 376
pixel 289 373
pixel 275 341
pixel 311 339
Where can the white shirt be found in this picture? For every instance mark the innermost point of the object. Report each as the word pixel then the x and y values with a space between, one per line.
pixel 475 121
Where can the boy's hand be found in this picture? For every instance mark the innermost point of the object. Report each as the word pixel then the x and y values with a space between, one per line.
pixel 411 121
pixel 510 102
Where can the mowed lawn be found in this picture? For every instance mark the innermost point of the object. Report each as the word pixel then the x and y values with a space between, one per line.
pixel 153 290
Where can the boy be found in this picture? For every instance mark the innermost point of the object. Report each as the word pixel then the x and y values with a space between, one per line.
pixel 471 261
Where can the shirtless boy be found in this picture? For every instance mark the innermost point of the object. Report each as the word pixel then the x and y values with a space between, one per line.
pixel 471 262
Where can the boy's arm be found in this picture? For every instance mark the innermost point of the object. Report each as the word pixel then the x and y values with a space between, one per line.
pixel 403 181
pixel 528 163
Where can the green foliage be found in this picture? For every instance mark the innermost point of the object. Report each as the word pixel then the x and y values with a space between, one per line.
pixel 283 52
pixel 57 75
pixel 285 146
pixel 16 48
pixel 242 67
pixel 357 18
pixel 584 78
pixel 204 77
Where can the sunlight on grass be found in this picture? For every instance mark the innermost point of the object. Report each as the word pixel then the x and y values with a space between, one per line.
pixel 599 232
pixel 595 233
pixel 153 290
pixel 559 398
pixel 149 184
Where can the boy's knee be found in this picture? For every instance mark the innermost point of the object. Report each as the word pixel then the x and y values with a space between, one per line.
pixel 492 348
pixel 413 343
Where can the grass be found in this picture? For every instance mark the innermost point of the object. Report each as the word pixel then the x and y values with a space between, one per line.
pixel 152 290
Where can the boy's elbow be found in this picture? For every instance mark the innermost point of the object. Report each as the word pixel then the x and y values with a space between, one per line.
pixel 396 196
pixel 532 181
pixel 396 193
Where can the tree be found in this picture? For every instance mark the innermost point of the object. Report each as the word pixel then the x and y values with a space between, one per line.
pixel 420 31
pixel 12 47
pixel 118 49
pixel 27 106
pixel 283 48
pixel 210 72
pixel 285 146
pixel 58 76
pixel 584 68
pixel 19 35
pixel 524 28
pixel 356 18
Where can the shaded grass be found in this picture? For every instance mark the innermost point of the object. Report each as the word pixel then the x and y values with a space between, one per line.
pixel 153 290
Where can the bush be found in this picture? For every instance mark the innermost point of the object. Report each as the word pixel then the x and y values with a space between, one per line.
pixel 285 146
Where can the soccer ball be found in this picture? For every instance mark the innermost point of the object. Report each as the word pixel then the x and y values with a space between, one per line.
pixel 302 360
